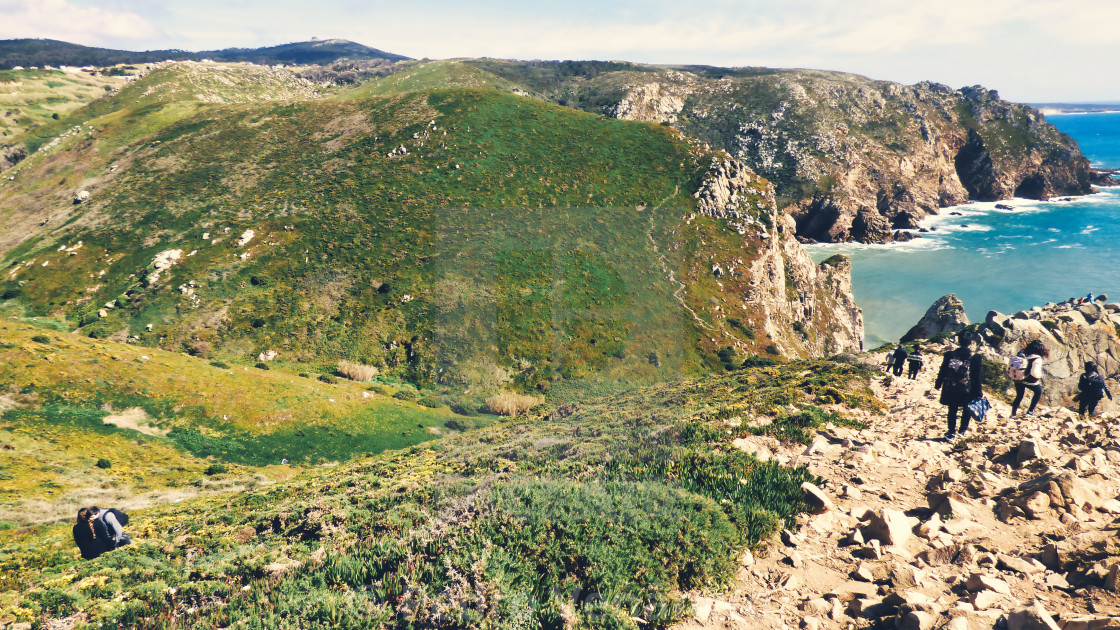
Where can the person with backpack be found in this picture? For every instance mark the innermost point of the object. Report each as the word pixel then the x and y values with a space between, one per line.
pixel 900 355
pixel 889 361
pixel 1026 373
pixel 1093 388
pixel 959 379
pixel 914 363
pixel 98 531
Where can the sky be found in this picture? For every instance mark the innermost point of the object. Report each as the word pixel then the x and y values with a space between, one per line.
pixel 1028 50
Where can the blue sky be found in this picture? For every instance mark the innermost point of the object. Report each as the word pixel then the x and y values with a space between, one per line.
pixel 1029 50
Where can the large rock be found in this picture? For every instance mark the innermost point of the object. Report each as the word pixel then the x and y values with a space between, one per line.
pixel 1032 618
pixel 946 315
pixel 891 527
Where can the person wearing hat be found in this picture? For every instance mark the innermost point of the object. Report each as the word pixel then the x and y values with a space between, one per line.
pixel 960 379
pixel 1092 389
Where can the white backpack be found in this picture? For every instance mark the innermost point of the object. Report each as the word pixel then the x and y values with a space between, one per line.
pixel 1017 368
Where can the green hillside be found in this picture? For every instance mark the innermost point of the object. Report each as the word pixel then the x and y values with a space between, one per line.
pixel 161 419
pixel 457 236
pixel 592 514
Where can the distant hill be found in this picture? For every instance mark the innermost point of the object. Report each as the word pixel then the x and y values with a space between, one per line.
pixel 49 52
pixel 1077 108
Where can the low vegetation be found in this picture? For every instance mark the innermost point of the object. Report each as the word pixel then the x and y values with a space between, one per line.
pixel 597 512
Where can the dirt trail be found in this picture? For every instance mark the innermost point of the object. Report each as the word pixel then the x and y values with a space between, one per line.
pixel 1014 526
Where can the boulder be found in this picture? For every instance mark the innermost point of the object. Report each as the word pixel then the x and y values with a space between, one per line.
pixel 981 582
pixel 81 196
pixel 946 315
pixel 891 527
pixel 1033 618
pixel 818 501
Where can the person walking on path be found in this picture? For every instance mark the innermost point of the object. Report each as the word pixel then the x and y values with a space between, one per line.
pixel 1034 355
pixel 914 363
pixel 899 359
pixel 959 379
pixel 1092 389
pixel 889 361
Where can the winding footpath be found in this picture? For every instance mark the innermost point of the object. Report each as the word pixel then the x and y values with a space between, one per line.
pixel 1015 526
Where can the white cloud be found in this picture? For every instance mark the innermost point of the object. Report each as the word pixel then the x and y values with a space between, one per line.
pixel 59 19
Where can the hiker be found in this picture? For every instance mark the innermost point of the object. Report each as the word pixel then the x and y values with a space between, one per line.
pixel 914 362
pixel 959 380
pixel 899 359
pixel 98 531
pixel 889 361
pixel 1027 374
pixel 1092 389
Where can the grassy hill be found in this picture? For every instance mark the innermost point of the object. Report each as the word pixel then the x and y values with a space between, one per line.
pixel 32 98
pixel 160 420
pixel 48 52
pixel 592 514
pixel 460 236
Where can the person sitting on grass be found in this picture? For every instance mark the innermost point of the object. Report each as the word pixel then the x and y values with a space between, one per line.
pixel 98 531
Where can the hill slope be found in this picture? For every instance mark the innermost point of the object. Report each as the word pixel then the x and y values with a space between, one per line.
pixel 852 157
pixel 459 236
pixel 49 52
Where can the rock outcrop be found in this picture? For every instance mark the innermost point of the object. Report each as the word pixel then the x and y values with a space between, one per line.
pixel 1073 333
pixel 946 315
pixel 806 309
pixel 11 155
pixel 852 159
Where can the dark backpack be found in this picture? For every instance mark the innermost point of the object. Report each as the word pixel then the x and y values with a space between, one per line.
pixel 957 376
pixel 1092 386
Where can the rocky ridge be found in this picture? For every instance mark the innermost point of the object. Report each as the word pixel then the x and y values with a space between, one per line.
pixel 852 158
pixel 1014 527
pixel 807 309
pixel 946 315
pixel 1074 334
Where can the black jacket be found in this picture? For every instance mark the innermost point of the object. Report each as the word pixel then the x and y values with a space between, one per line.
pixel 951 395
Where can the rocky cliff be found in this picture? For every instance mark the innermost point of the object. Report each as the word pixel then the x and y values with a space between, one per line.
pixel 851 158
pixel 946 315
pixel 806 309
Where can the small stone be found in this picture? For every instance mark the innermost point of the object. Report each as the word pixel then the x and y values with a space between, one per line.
pixel 984 600
pixel 818 501
pixel 981 582
pixel 917 620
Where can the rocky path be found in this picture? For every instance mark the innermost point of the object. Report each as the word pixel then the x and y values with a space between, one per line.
pixel 1014 526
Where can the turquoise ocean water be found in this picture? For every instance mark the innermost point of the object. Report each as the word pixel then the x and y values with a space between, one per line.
pixel 1003 260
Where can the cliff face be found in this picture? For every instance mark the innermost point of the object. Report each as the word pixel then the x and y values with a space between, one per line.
pixel 804 308
pixel 851 158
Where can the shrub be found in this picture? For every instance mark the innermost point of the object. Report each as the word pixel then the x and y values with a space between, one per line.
pixel 464 409
pixel 1049 324
pixel 220 364
pixel 995 375
pixel 430 402
pixel 772 349
pixel 405 394
pixel 215 469
pixel 104 463
pixel 258 323
pixel 10 293
pixel 381 389
pixel 262 366
pixel 756 361
pixel 327 378
pixel 100 332
pixel 257 280
pixel 41 339
pixel 356 371
pixel 198 348
pixel 727 357
pixel 748 330
pixel 510 404
pixel 305 375
pixel 459 424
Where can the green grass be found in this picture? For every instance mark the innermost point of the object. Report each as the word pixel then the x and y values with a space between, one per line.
pixel 505 245
pixel 606 509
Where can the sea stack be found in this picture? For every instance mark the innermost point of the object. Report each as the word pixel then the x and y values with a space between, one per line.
pixel 946 315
